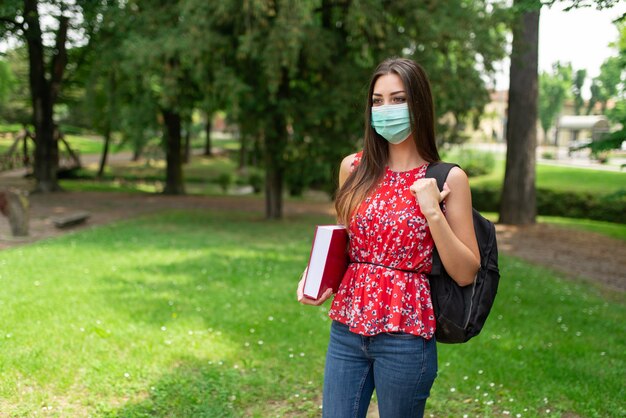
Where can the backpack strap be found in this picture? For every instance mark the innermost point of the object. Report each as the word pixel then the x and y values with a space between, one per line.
pixel 439 171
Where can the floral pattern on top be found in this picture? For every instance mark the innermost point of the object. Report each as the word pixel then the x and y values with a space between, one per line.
pixel 385 288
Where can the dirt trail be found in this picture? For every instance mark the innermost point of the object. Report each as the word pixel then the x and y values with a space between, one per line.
pixel 578 254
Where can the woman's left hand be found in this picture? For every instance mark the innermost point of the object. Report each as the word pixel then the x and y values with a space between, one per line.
pixel 428 195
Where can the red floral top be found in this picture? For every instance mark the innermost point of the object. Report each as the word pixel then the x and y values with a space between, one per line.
pixel 385 288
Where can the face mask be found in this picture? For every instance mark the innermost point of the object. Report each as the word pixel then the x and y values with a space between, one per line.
pixel 392 122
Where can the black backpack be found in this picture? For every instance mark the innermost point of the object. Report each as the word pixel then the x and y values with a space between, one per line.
pixel 461 312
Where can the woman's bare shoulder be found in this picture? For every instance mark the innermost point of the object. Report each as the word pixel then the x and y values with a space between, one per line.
pixel 347 164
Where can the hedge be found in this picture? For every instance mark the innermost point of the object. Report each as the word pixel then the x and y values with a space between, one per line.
pixel 611 207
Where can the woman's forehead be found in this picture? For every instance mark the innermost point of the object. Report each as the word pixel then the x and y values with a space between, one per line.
pixel 388 83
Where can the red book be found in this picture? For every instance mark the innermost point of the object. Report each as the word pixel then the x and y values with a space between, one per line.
pixel 328 261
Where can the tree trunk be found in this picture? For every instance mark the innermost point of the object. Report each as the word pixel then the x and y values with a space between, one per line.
pixel 273 179
pixel 14 205
pixel 105 152
pixel 518 206
pixel 243 151
pixel 174 171
pixel 110 114
pixel 46 147
pixel 275 143
pixel 207 129
pixel 187 142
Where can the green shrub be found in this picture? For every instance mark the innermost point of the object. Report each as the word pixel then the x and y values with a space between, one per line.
pixel 611 207
pixel 256 179
pixel 547 155
pixel 473 162
pixel 225 180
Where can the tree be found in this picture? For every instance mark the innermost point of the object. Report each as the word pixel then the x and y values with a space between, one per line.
pixel 299 70
pixel 605 86
pixel 553 90
pixel 577 87
pixel 47 66
pixel 518 205
pixel 157 49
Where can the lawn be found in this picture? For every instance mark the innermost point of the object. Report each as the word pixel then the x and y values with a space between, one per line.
pixel 563 179
pixel 194 314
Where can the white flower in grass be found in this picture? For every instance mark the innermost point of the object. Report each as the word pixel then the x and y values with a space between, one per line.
pixel 290 355
pixel 603 353
pixel 247 344
pixel 260 342
pixel 480 372
pixel 465 377
pixel 506 412
pixel 270 318
pixel 301 354
pixel 252 330
pixel 127 375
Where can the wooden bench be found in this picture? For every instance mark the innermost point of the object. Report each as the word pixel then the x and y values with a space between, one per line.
pixel 71 219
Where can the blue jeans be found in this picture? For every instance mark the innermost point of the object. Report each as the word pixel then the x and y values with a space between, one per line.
pixel 402 368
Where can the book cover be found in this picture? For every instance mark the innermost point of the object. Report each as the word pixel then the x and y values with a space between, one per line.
pixel 328 260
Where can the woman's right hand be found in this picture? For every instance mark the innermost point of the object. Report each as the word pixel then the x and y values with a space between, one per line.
pixel 314 302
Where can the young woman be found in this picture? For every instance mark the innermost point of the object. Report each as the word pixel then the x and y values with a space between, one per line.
pixel 382 334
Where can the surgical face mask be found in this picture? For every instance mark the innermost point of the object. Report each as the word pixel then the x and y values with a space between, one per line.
pixel 392 122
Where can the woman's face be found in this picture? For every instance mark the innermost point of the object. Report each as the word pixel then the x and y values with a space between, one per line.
pixel 388 90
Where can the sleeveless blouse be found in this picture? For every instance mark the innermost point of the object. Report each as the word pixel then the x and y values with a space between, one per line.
pixel 385 288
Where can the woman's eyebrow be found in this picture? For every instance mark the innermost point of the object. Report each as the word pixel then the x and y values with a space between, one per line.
pixel 395 92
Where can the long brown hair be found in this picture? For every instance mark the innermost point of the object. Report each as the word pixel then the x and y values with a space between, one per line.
pixel 376 149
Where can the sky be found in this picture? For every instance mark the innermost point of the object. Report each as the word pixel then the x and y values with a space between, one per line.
pixel 580 36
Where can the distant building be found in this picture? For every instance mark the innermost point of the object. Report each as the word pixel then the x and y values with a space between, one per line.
pixel 572 130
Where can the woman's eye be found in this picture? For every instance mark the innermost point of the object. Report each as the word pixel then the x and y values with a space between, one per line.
pixel 376 101
pixel 399 99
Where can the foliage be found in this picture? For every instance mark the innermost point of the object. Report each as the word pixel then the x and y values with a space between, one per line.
pixel 473 162
pixel 577 86
pixel 193 314
pixel 553 90
pixel 606 85
pixel 16 105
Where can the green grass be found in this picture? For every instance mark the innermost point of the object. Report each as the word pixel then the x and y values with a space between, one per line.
pixel 194 314
pixel 563 179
